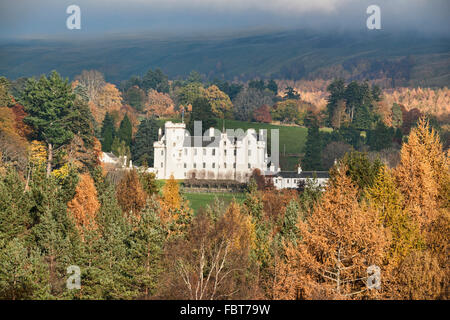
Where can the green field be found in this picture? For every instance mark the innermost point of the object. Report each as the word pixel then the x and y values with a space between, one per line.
pixel 200 200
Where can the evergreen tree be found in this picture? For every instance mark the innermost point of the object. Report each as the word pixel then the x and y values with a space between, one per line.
pixel 201 111
pixel 360 169
pixel 107 133
pixel 312 159
pixel 49 102
pixel 289 230
pixel 381 137
pixel 125 130
pixel 135 98
pixel 156 80
pixel 336 90
pixel 272 86
pixel 146 249
pixel 397 116
pixel 142 149
pixel 290 93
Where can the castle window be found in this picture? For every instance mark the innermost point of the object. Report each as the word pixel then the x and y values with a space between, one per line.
pixel 234 165
pixel 249 165
pixel 213 152
pixel 224 152
pixel 162 152
pixel 161 164
pixel 235 152
pixel 204 165
pixel 185 165
pixel 213 165
pixel 249 153
pixel 225 165
pixel 195 165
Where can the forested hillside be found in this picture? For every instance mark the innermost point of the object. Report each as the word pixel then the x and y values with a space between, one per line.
pixel 391 59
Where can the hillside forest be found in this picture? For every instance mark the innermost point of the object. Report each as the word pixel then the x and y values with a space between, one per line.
pixel 135 237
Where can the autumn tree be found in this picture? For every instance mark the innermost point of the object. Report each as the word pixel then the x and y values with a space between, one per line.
pixel 423 174
pixel 94 82
pixel 212 261
pixel 108 99
pixel 159 104
pixel 84 206
pixel 221 104
pixel 262 114
pixel 339 241
pixel 130 195
pixel 248 100
pixel 175 211
pixel 333 152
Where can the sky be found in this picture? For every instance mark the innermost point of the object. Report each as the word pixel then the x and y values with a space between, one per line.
pixel 47 18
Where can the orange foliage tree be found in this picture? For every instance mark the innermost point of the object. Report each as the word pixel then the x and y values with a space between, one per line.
pixel 85 205
pixel 339 241
pixel 160 104
pixel 130 194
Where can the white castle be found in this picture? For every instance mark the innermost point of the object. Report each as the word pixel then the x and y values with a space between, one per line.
pixel 215 155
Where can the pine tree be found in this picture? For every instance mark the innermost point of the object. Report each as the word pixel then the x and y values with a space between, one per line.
pixel 49 102
pixel 125 130
pixel 23 273
pixel 147 240
pixel 107 133
pixel 201 111
pixel 312 159
pixel 142 149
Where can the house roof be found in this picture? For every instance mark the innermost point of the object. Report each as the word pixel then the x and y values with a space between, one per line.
pixel 303 174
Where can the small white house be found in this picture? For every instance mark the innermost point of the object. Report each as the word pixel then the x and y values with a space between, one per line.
pixel 291 179
pixel 111 159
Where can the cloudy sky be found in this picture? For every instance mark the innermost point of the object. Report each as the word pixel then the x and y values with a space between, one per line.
pixel 37 18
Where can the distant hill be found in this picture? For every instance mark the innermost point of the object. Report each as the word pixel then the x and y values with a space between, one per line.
pixel 402 59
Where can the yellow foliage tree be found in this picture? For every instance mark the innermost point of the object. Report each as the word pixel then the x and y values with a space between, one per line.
pixel 220 102
pixel 175 211
pixel 423 174
pixel 385 197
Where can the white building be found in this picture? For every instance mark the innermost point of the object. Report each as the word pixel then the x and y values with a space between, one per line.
pixel 291 179
pixel 215 155
pixel 109 158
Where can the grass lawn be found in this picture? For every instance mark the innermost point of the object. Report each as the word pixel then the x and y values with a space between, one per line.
pixel 200 200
